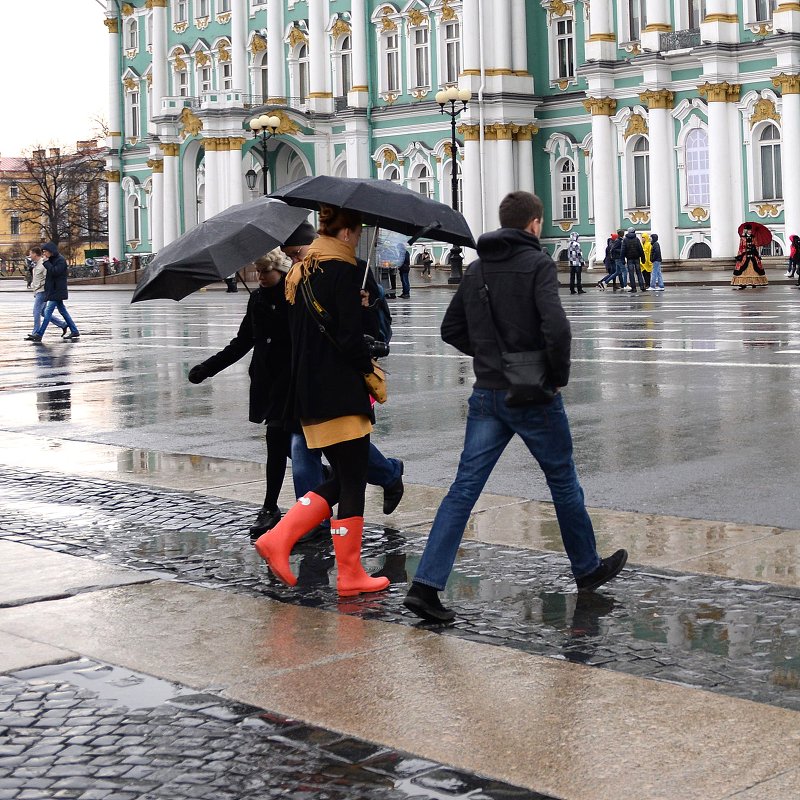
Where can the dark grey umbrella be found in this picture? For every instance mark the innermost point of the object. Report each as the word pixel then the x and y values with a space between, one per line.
pixel 383 204
pixel 217 248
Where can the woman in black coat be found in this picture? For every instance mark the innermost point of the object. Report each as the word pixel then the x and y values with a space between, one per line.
pixel 265 331
pixel 329 397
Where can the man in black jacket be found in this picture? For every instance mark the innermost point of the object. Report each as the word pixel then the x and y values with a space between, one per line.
pixel 520 279
pixel 55 293
pixel 634 256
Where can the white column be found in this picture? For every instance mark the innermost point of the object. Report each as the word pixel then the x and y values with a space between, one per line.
pixel 359 94
pixel 472 204
pixel 602 42
pixel 114 82
pixel 525 158
pixel 658 22
pixel 722 223
pixel 157 206
pixel 223 174
pixel 235 177
pixel 276 58
pixel 212 205
pixel 116 247
pixel 504 149
pixel 604 167
pixel 170 191
pixel 790 151
pixel 721 22
pixel 519 37
pixel 663 217
pixel 498 28
pixel 470 27
pixel 491 180
pixel 159 87
pixel 357 147
pixel 239 45
pixel 320 95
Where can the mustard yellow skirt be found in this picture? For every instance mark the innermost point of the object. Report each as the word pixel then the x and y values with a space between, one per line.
pixel 325 432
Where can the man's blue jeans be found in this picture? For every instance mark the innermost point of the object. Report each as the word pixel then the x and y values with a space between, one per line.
pixel 307 467
pixel 635 273
pixel 49 309
pixel 619 272
pixel 657 279
pixel 38 307
pixel 490 426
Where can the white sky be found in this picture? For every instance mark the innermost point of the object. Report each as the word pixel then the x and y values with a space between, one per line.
pixel 53 72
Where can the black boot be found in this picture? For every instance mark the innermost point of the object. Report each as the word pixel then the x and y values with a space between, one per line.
pixel 267 519
pixel 609 568
pixel 424 601
pixel 393 493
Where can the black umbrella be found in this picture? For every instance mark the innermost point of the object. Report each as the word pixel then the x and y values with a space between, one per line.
pixel 383 204
pixel 217 248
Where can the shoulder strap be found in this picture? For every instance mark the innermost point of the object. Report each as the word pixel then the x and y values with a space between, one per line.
pixel 483 293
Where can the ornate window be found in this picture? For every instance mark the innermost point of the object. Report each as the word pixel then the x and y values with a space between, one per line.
pixel 764 9
pixel 132 113
pixel 697 10
pixel 641 173
pixel 697 168
pixel 182 82
pixel 391 57
pixel 343 59
pixel 132 35
pixel 180 11
pixel 201 8
pixel 637 19
pixel 567 189
pixel 260 75
pixel 204 78
pixel 422 180
pixel 452 52
pixel 769 156
pixel 223 6
pixel 133 213
pixel 420 57
pixel 225 76
pixel 392 174
pixel 302 72
pixel 565 44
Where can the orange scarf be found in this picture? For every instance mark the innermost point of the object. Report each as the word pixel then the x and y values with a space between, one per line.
pixel 323 248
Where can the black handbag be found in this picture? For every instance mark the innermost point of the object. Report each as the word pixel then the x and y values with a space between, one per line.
pixel 528 372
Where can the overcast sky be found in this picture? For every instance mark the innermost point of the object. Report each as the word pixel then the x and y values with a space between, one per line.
pixel 53 72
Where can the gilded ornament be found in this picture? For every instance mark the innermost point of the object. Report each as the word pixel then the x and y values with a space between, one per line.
pixel 224 18
pixel 127 9
pixel 447 149
pixel 390 97
pixel 130 84
pixel 180 27
pixel 112 23
pixel 792 5
pixel 471 133
pixel 180 64
pixel 222 50
pixel 767 209
pixel 788 84
pixel 661 98
pixel 566 224
pixel 503 131
pixel 764 109
pixel 258 44
pixel 525 133
pixel 296 36
pixel 340 28
pixel 720 92
pixel 639 216
pixel 637 124
pixel 287 125
pixel 729 18
pixel 149 78
pixel 156 165
pixel 417 18
pixel 600 106
pixel 201 58
pixel 563 84
pixel 112 175
pixel 420 94
pixel 156 4
pixel 447 12
pixel 235 143
pixel 388 24
pixel 389 156
pixel 558 8
pixel 699 213
pixel 201 23
pixel 192 125
pixel 170 148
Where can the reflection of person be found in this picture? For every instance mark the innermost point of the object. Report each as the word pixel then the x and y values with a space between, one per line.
pixel 521 280
pixel 427 263
pixel 265 331
pixel 55 293
pixel 404 270
pixel 747 269
pixel 38 276
pixel 329 397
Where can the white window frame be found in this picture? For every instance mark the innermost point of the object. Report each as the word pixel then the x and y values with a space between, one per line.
pixel 451 51
pixel 700 168
pixel 634 157
pixel 567 38
pixel 567 185
pixel 759 10
pixel 421 180
pixel 390 62
pixel 180 11
pixel 223 6
pixel 259 75
pixel 133 112
pixel 343 64
pixel 554 37
pixel 419 57
pixel 132 35
pixel 202 9
pixel 302 87
pixel 560 148
pixel 759 145
pixel 689 5
pixel 625 21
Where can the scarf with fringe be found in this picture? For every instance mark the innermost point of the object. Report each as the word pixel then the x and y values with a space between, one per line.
pixel 323 248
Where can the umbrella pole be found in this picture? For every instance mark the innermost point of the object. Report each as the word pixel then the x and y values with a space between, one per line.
pixel 239 276
pixel 370 256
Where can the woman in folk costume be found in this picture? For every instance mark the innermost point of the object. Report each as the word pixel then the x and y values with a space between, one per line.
pixel 747 270
pixel 329 397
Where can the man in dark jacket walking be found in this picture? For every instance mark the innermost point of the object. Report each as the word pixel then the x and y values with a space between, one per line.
pixel 55 293
pixel 634 255
pixel 519 278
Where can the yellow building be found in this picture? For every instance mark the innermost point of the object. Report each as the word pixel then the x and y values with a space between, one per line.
pixel 16 236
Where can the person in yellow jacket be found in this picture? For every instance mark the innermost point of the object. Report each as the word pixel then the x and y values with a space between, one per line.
pixel 647 264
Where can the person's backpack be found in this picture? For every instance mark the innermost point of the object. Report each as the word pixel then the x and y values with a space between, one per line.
pixel 384 315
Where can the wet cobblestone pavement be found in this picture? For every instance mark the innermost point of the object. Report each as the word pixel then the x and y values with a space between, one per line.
pixel 739 639
pixel 91 731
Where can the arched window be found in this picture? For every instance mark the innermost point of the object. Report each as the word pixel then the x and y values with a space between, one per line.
pixel 697 168
pixel 699 250
pixel 302 72
pixel 132 35
pixel 132 103
pixel 260 76
pixel 452 51
pixel 567 189
pixel 392 174
pixel 422 180
pixel 133 219
pixel 391 61
pixel 641 173
pixel 346 65
pixel 769 152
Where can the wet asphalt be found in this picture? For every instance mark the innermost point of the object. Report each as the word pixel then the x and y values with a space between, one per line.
pixel 685 402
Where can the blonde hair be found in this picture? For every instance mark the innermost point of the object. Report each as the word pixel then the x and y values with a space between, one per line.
pixel 275 259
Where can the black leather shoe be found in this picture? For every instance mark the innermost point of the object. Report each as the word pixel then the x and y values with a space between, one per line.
pixel 33 337
pixel 393 493
pixel 64 332
pixel 609 568
pixel 424 602
pixel 267 518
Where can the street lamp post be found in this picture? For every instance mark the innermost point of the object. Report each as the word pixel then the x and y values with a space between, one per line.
pixel 444 98
pixel 263 127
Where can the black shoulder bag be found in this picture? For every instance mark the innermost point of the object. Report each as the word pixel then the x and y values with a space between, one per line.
pixel 527 373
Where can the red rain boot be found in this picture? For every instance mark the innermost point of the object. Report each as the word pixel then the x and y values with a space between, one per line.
pixel 352 578
pixel 276 544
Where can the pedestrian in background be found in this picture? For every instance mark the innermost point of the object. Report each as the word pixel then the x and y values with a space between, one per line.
pixel 618 252
pixel 647 264
pixel 609 263
pixel 657 279
pixel 634 256
pixel 794 257
pixel 519 280
pixel 575 258
pixel 38 275
pixel 329 396
pixel 55 293
pixel 427 263
pixel 404 270
pixel 264 330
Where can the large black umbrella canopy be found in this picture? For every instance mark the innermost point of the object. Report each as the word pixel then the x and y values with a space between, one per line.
pixel 217 248
pixel 384 204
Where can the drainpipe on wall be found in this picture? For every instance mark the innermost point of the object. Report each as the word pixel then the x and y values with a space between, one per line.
pixel 481 138
pixel 121 104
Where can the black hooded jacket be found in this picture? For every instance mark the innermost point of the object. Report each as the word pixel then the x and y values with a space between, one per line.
pixel 655 253
pixel 523 288
pixel 632 248
pixel 55 282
